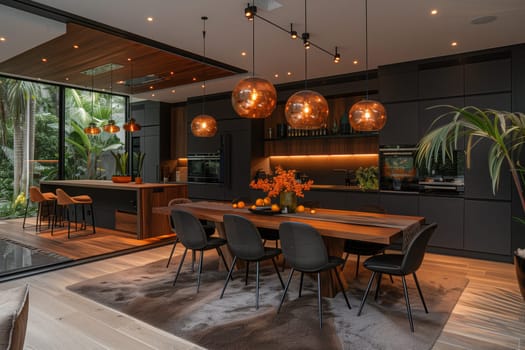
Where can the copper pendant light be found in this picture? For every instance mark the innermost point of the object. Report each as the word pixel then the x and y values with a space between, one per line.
pixel 131 125
pixel 367 115
pixel 254 97
pixel 111 126
pixel 204 125
pixel 306 109
pixel 92 128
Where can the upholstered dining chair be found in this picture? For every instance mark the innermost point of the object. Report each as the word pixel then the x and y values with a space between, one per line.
pixel 41 198
pixel 192 236
pixel 67 201
pixel 209 228
pixel 401 265
pixel 245 243
pixel 304 249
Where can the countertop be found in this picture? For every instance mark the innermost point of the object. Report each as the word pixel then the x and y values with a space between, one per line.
pixel 110 184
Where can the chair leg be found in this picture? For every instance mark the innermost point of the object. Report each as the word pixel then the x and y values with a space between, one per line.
pixel 277 270
pixel 246 273
pixel 286 289
pixel 378 286
pixel 319 300
pixel 172 251
pixel 366 293
pixel 407 301
pixel 257 286
pixel 38 226
pixel 219 251
pixel 25 215
pixel 180 265
pixel 420 294
pixel 301 284
pixel 342 288
pixel 229 275
pixel 357 267
pixel 201 260
pixel 92 217
pixel 68 218
pixel 193 261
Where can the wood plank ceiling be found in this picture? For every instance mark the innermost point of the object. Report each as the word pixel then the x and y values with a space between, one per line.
pixel 143 68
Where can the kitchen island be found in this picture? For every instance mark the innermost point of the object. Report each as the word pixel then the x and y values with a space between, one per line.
pixel 124 206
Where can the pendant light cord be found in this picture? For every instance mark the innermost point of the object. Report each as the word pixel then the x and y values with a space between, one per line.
pixel 366 45
pixel 253 43
pixel 305 51
pixel 204 18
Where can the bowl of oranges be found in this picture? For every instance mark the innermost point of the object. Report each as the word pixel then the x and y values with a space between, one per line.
pixel 264 206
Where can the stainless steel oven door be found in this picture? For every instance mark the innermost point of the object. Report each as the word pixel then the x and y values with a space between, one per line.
pixel 397 169
pixel 204 167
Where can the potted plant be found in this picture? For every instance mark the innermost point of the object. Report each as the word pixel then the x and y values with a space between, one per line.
pixel 506 133
pixel 121 167
pixel 367 178
pixel 139 160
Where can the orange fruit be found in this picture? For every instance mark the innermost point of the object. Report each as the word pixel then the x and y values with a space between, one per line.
pixel 234 205
pixel 240 204
pixel 267 201
pixel 275 207
pixel 300 208
pixel 312 211
pixel 259 202
pixel 253 207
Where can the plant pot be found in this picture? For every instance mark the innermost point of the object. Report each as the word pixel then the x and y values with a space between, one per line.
pixel 288 200
pixel 519 262
pixel 138 180
pixel 121 178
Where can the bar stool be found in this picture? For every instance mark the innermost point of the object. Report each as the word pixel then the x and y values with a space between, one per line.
pixel 36 196
pixel 65 200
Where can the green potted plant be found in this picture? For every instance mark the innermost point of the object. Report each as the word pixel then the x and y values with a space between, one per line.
pixel 367 178
pixel 139 160
pixel 506 133
pixel 121 167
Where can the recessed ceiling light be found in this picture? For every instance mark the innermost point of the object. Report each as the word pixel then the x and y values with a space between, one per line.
pixel 434 12
pixel 151 87
pixel 75 46
pixel 276 75
pixel 172 91
pixel 152 95
pixel 289 73
pixel 129 59
pixel 483 19
pixel 355 62
pixel 44 59
pixel 194 79
pixel 171 73
pixel 67 78
pixel 150 19
pixel 243 53
pixel 2 38
pixel 203 86
pixel 454 43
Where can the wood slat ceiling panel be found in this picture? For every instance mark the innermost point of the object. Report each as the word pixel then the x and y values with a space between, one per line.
pixel 65 63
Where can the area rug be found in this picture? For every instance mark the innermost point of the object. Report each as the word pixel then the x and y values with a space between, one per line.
pixel 146 293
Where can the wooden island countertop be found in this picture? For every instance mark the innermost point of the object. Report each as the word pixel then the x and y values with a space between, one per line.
pixel 125 206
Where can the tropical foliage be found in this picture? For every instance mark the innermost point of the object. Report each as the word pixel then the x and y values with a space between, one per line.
pixel 504 130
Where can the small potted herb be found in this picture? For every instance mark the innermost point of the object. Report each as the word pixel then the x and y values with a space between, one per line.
pixel 121 167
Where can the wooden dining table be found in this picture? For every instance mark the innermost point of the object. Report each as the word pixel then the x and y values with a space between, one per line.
pixel 335 226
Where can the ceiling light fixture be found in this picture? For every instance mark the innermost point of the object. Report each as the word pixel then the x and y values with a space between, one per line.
pixel 254 97
pixel 204 125
pixel 250 11
pixel 337 56
pixel 111 126
pixel 306 109
pixel 131 125
pixel 293 33
pixel 92 129
pixel 367 115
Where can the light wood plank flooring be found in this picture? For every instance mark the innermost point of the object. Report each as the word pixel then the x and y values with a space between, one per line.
pixel 489 315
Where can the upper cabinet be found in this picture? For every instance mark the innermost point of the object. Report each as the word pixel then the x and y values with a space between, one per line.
pixel 488 76
pixel 441 79
pixel 357 143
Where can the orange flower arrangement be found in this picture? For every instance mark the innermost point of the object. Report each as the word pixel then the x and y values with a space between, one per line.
pixel 282 181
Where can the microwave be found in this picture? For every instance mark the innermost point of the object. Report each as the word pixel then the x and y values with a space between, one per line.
pixel 397 168
pixel 205 167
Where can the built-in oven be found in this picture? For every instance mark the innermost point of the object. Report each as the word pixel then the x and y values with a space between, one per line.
pixel 205 167
pixel 397 168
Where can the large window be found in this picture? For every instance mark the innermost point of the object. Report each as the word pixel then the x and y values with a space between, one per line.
pixel 29 137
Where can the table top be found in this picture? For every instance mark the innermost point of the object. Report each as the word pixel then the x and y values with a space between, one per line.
pixel 364 226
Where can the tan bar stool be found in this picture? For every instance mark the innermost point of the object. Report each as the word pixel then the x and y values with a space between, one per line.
pixel 66 201
pixel 47 198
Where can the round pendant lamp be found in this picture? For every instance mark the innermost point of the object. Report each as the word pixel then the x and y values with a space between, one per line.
pixel 306 109
pixel 92 129
pixel 367 115
pixel 131 126
pixel 111 126
pixel 204 125
pixel 254 97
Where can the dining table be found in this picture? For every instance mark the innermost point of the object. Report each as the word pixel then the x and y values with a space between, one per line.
pixel 335 226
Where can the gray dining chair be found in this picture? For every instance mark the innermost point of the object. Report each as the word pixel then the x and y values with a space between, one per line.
pixel 192 236
pixel 400 265
pixel 245 243
pixel 304 249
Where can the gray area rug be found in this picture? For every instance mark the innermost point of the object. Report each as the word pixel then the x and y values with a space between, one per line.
pixel 146 293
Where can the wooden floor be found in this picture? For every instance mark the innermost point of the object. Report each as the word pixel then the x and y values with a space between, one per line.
pixel 489 315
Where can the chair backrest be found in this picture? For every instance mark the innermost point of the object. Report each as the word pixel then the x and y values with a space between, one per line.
pixel 173 202
pixel 415 250
pixel 35 195
pixel 303 247
pixel 189 229
pixel 63 198
pixel 243 237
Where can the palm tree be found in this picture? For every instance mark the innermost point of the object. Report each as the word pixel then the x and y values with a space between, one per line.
pixel 504 130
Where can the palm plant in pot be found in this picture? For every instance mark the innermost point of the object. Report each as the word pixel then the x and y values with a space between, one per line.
pixel 139 160
pixel 121 167
pixel 506 133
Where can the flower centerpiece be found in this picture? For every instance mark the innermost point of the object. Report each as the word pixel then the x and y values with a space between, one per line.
pixel 285 185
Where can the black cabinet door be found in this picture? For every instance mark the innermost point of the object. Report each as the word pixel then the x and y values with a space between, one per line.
pixel 400 204
pixel 448 214
pixel 488 77
pixel 487 227
pixel 401 127
pixel 441 82
pixel 429 110
pixel 398 82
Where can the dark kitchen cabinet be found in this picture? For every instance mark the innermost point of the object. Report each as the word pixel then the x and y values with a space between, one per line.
pixel 488 76
pixel 441 79
pixel 401 127
pixel 429 111
pixel 398 82
pixel 487 227
pixel 400 204
pixel 447 212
